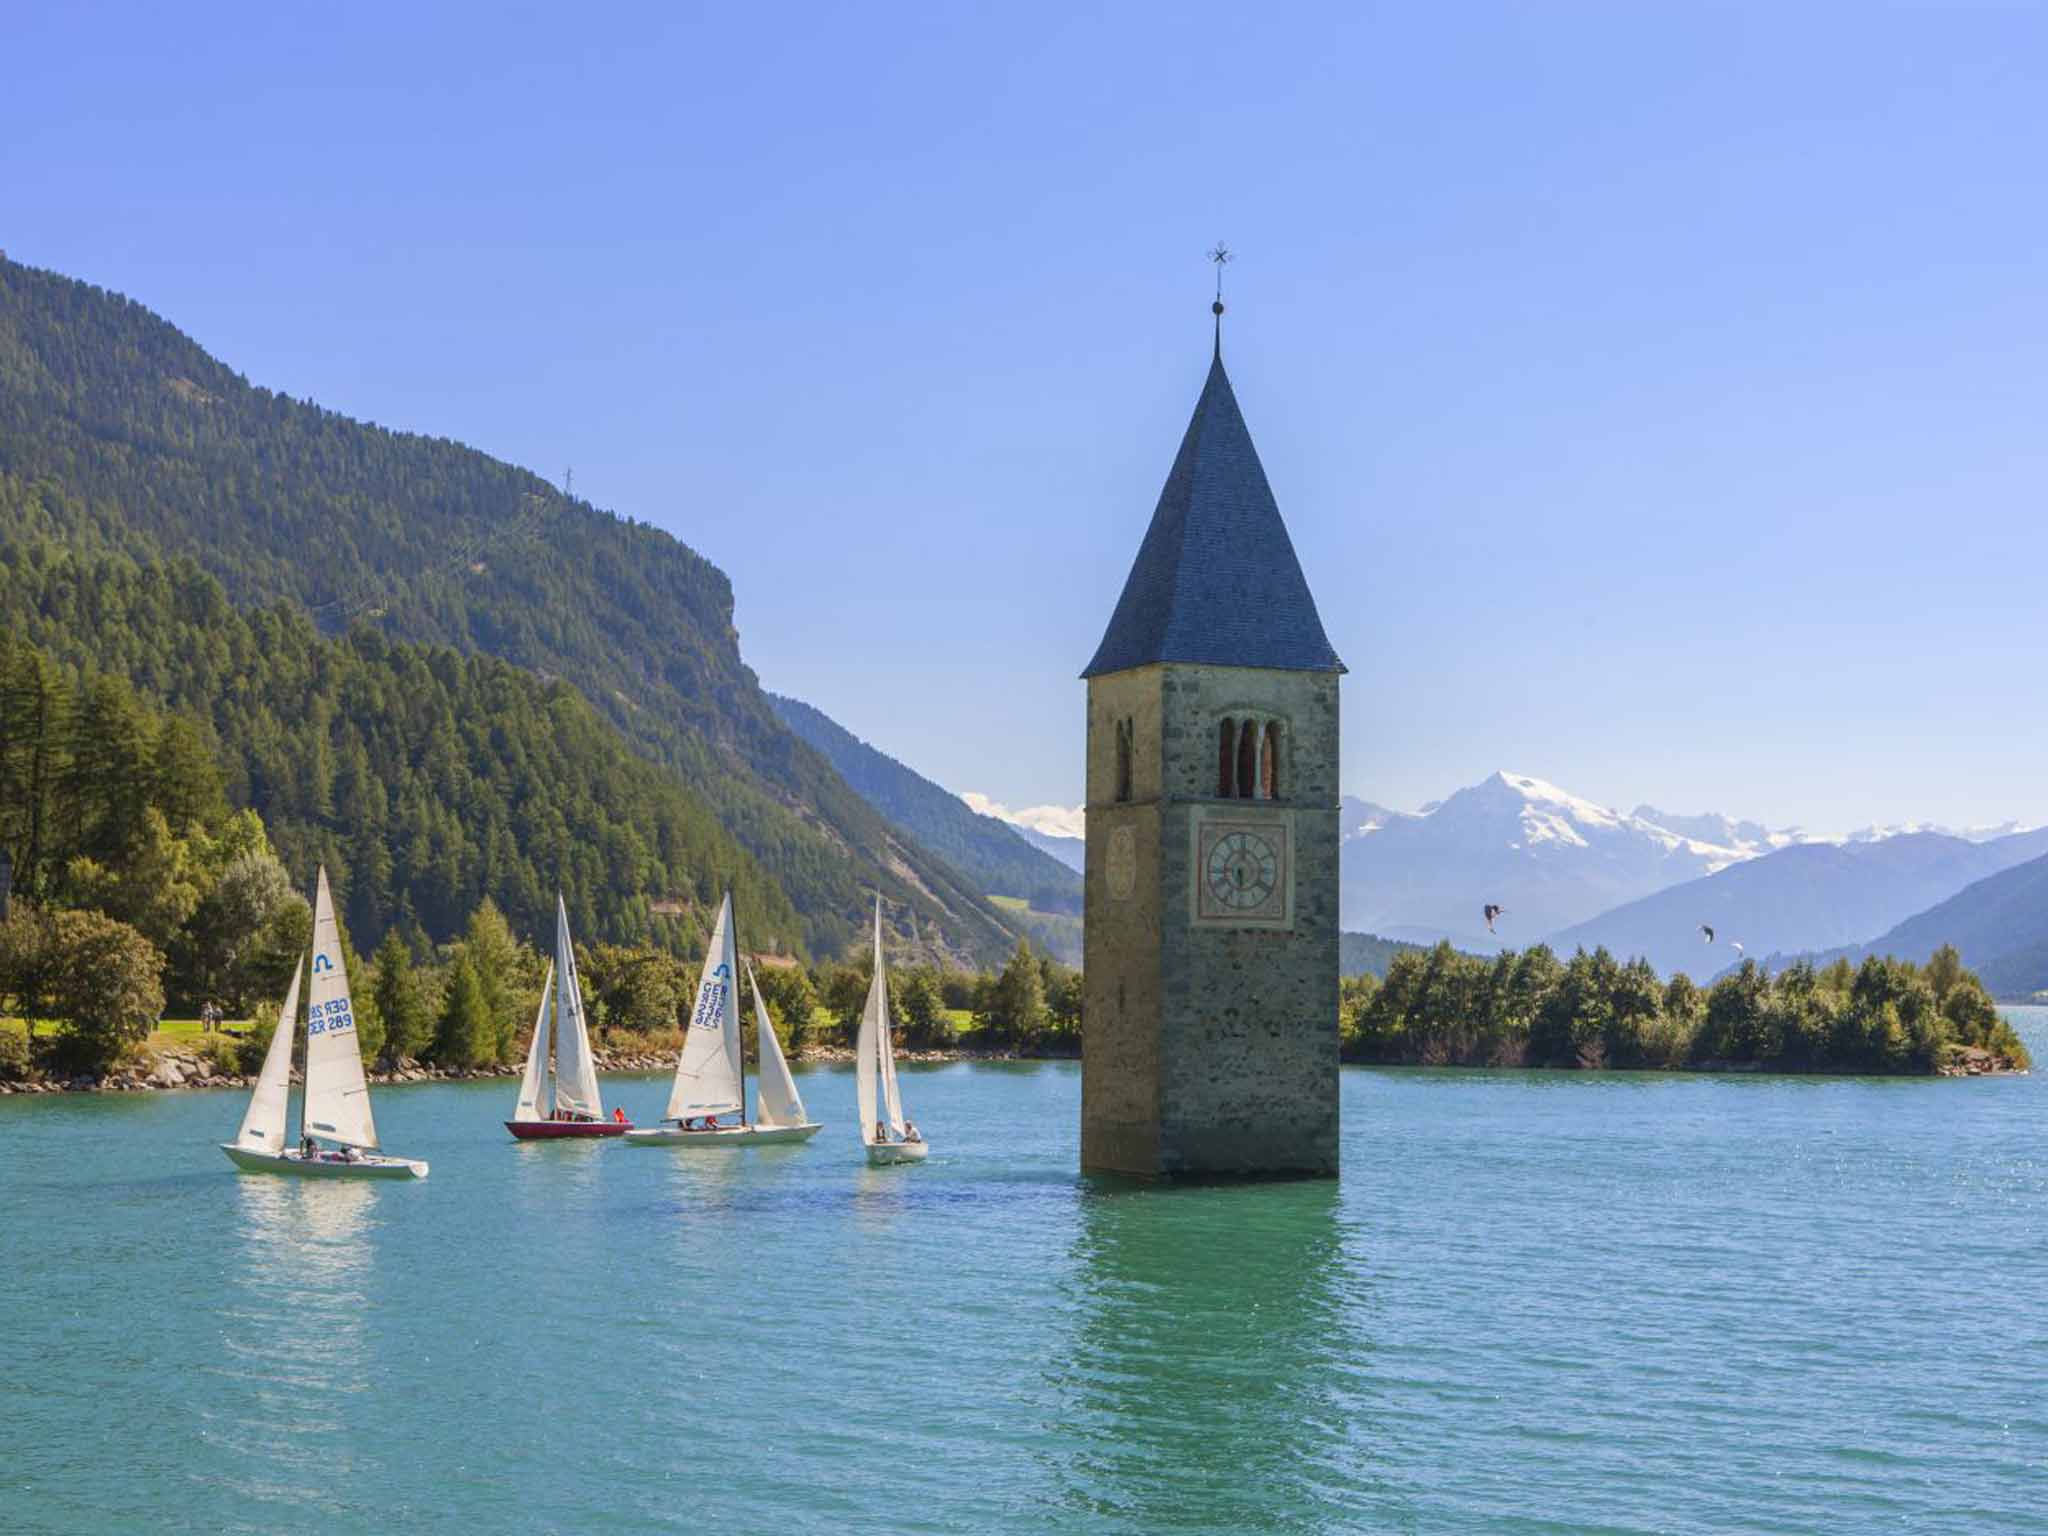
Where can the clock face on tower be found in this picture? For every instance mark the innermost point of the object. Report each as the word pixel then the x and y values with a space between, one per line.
pixel 1241 872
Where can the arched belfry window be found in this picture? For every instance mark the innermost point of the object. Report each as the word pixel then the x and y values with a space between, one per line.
pixel 1124 733
pixel 1269 763
pixel 1248 760
pixel 1226 758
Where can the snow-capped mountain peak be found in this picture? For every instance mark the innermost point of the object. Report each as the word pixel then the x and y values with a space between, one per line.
pixel 1512 839
pixel 1547 814
pixel 1876 834
pixel 1060 830
pixel 1750 838
pixel 1052 820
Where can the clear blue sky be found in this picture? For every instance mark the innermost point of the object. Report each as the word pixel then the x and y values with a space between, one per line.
pixel 1658 395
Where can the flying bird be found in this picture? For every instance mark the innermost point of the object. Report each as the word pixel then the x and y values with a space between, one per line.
pixel 1736 945
pixel 1708 932
pixel 1492 910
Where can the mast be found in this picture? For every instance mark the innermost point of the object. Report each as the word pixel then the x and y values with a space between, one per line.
pixel 292 1024
pixel 744 1121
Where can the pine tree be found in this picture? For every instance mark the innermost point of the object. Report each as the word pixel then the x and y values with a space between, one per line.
pixel 408 1029
pixel 500 964
pixel 1016 1001
pixel 920 1007
pixel 35 721
pixel 464 1035
pixel 107 778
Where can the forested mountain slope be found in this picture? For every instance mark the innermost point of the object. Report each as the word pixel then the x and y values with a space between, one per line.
pixel 117 432
pixel 987 851
pixel 1367 954
pixel 425 779
pixel 2000 925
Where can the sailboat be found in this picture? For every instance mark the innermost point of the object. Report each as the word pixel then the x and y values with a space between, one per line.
pixel 890 1137
pixel 711 1073
pixel 559 1098
pixel 336 1104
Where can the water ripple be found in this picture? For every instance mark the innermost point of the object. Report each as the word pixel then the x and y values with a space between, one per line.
pixel 1536 1302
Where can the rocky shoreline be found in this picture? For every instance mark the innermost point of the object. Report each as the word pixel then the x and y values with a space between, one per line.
pixel 185 1069
pixel 188 1069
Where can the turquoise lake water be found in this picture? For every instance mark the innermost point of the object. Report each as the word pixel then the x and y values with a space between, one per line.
pixel 1536 1302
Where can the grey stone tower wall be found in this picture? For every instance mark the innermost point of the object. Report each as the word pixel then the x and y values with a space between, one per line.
pixel 1120 959
pixel 1210 1044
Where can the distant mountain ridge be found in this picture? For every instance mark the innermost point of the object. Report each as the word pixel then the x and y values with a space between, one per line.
pixel 1877 834
pixel 1749 838
pixel 985 849
pixel 1808 897
pixel 1367 954
pixel 1998 923
pixel 1054 829
pixel 1547 856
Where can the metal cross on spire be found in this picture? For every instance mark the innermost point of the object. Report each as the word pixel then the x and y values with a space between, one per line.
pixel 1221 256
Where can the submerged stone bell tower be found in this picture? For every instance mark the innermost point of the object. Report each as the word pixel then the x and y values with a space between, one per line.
pixel 1210 1044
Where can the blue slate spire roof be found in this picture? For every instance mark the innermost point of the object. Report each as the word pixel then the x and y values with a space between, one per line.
pixel 1216 579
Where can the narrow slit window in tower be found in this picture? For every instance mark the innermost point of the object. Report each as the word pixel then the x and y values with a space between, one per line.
pixel 1123 759
pixel 1226 758
pixel 1269 769
pixel 1248 760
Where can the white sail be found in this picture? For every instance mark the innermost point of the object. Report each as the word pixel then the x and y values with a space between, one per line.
pixel 534 1098
pixel 575 1068
pixel 892 1100
pixel 874 1029
pixel 264 1125
pixel 708 1072
pixel 777 1098
pixel 337 1094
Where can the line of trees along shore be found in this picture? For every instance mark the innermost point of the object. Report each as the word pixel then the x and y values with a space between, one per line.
pixel 1445 1008
pixel 471 1004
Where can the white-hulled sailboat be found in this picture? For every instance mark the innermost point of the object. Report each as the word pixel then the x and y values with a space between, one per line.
pixel 558 1095
pixel 889 1134
pixel 336 1104
pixel 711 1073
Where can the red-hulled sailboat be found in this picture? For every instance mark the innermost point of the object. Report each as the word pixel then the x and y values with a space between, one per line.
pixel 558 1094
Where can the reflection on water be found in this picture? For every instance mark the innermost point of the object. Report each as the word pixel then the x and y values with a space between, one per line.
pixel 292 1325
pixel 543 1169
pixel 882 1196
pixel 1218 1364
